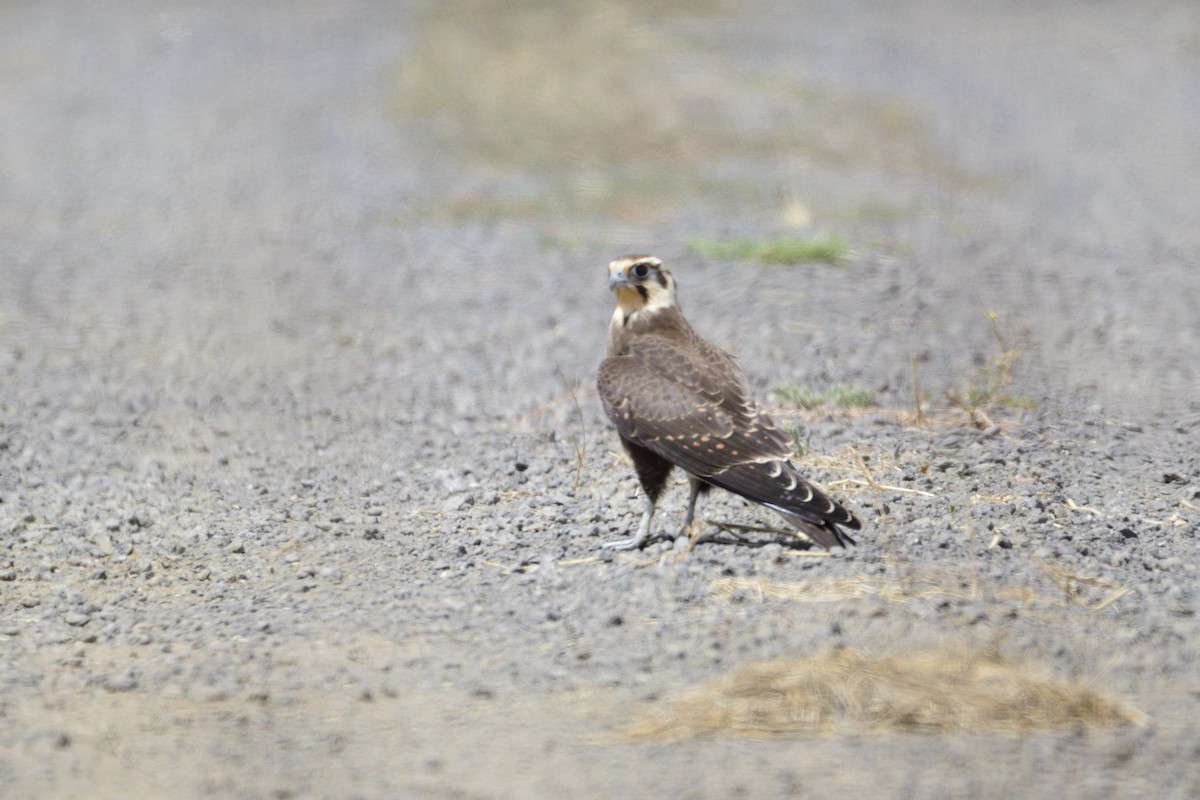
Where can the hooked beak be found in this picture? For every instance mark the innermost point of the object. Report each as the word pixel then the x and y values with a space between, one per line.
pixel 618 279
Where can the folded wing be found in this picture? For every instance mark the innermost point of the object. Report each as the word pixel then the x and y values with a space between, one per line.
pixel 688 402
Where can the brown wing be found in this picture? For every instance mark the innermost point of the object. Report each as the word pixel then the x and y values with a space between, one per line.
pixel 664 395
pixel 687 401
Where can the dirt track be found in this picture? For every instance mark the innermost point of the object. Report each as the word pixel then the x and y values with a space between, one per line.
pixel 298 302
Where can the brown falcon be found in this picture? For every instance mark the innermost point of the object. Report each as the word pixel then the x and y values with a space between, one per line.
pixel 680 401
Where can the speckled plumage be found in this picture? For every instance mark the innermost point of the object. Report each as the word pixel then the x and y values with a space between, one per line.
pixel 678 400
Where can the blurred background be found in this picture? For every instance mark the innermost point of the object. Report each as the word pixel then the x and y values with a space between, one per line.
pixel 222 197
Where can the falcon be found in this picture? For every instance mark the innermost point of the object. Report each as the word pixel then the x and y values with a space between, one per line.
pixel 678 400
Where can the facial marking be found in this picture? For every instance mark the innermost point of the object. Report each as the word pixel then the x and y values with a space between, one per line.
pixel 641 284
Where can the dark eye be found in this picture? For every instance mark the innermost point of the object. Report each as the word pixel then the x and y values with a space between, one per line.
pixel 641 271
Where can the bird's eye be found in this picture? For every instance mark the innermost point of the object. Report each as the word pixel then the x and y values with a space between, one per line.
pixel 641 271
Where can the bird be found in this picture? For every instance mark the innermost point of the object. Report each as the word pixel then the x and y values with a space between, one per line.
pixel 677 400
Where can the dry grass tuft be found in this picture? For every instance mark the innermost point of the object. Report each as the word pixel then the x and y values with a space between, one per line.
pixel 935 691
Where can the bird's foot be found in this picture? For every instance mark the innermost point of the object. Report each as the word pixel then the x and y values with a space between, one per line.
pixel 632 543
pixel 694 533
pixel 636 542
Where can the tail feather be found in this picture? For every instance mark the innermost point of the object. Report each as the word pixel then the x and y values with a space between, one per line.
pixel 825 533
pixel 778 486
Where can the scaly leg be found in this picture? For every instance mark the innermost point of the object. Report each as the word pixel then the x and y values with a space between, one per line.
pixel 694 485
pixel 642 535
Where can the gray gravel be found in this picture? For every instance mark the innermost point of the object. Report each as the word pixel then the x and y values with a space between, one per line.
pixel 295 500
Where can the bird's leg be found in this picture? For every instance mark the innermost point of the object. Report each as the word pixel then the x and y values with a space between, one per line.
pixel 643 532
pixel 694 486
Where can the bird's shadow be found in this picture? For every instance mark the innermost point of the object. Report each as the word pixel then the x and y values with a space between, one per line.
pixel 734 533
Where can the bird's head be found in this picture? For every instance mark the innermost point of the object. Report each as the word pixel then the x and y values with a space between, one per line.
pixel 641 283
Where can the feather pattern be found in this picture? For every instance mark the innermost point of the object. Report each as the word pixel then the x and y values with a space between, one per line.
pixel 685 400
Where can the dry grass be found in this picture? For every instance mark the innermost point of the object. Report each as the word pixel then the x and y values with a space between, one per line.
pixel 900 589
pixel 1075 587
pixel 923 415
pixel 580 438
pixel 610 100
pixel 943 690
pixel 913 583
pixel 847 460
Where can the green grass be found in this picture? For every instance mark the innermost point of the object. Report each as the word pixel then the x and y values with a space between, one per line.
pixel 800 436
pixel 990 388
pixel 784 249
pixel 838 395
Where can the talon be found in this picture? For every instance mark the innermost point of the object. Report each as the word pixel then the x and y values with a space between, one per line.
pixel 621 544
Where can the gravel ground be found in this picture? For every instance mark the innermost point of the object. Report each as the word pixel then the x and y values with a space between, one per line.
pixel 296 499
